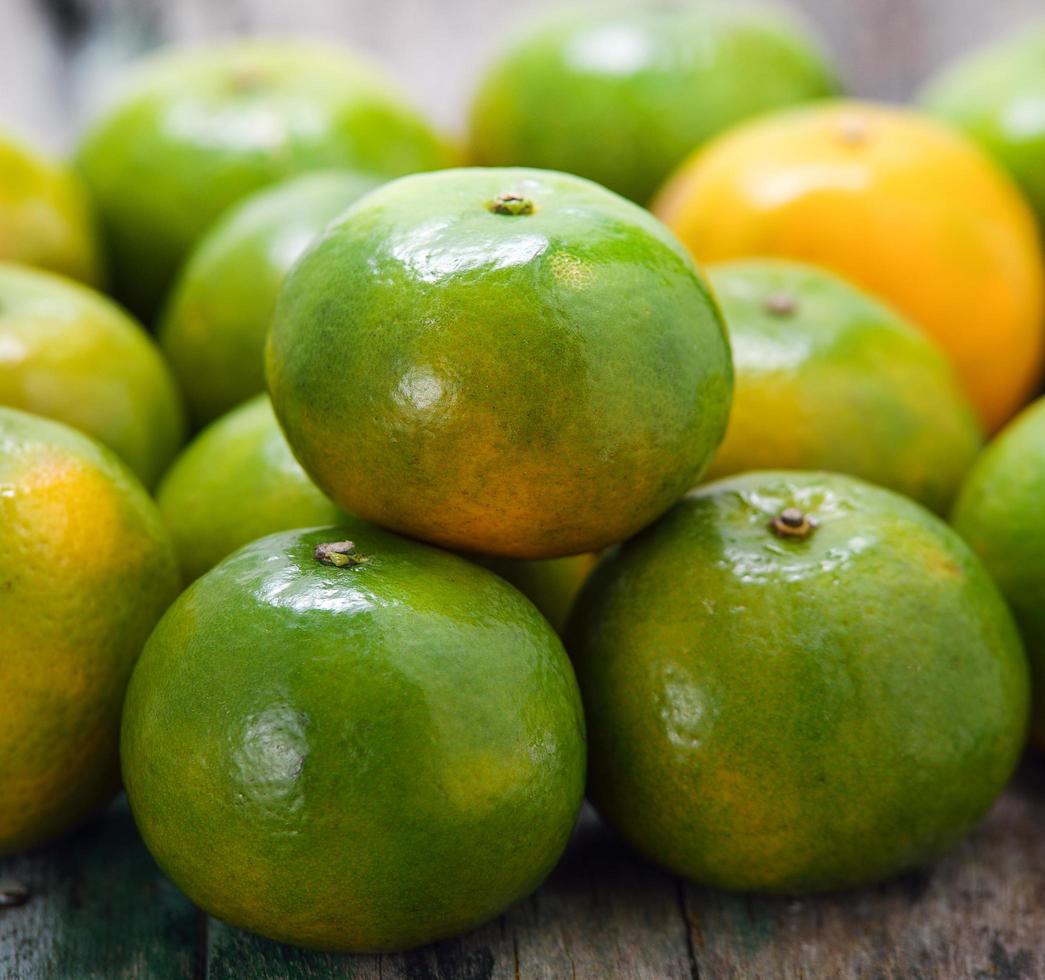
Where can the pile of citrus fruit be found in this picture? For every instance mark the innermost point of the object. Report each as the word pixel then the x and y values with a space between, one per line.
pixel 492 497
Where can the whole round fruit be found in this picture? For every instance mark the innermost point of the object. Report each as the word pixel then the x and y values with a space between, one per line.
pixel 797 682
pixel 196 130
pixel 510 362
pixel 44 217
pixel 623 96
pixel 68 353
pixel 1000 514
pixel 828 378
pixel 241 457
pixel 86 569
pixel 894 202
pixel 378 744
pixel 214 327
pixel 996 96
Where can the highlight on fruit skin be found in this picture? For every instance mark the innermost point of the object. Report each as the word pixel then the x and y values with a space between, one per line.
pixel 795 713
pixel 1000 514
pixel 73 355
pixel 829 378
pixel 526 385
pixel 192 130
pixel 899 204
pixel 87 569
pixel 622 95
pixel 217 316
pixel 370 755
pixel 45 219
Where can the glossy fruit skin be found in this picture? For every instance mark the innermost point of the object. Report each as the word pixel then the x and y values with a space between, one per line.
pixel 995 96
pixel 526 385
pixel 86 569
pixel 551 584
pixel 362 758
pixel 196 130
pixel 828 378
pixel 1001 514
pixel 72 355
pixel 44 216
pixel 237 481
pixel 623 96
pixel 785 715
pixel 214 327
pixel 882 196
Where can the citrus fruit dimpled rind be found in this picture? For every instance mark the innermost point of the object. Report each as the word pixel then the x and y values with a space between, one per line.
pixel 86 569
pixel 881 195
pixel 214 326
pixel 829 378
pixel 1001 513
pixel 797 713
pixel 242 456
pixel 193 130
pixel 359 757
pixel 528 384
pixel 71 354
pixel 622 96
pixel 45 220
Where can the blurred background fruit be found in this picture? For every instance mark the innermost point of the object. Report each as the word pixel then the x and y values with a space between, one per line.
pixel 997 96
pixel 551 584
pixel 44 217
pixel 451 696
pixel 828 378
pixel 1001 513
pixel 70 354
pixel 622 95
pixel 774 706
pixel 557 377
pixel 86 570
pixel 897 203
pixel 236 482
pixel 214 328
pixel 194 131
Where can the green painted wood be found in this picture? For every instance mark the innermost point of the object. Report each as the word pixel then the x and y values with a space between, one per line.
pixel 101 910
pixel 98 909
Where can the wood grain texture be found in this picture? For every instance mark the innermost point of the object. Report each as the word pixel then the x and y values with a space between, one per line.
pixel 101 910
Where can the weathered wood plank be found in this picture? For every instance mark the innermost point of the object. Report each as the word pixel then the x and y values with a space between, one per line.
pixel 99 909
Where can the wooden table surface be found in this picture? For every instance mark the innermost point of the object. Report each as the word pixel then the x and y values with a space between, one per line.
pixel 99 909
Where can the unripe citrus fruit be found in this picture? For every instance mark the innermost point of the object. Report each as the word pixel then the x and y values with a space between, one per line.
pixel 365 744
pixel 512 362
pixel 1001 513
pixel 44 217
pixel 195 130
pixel 70 354
pixel 622 96
pixel 895 202
pixel 86 569
pixel 996 96
pixel 797 682
pixel 828 378
pixel 214 327
pixel 237 481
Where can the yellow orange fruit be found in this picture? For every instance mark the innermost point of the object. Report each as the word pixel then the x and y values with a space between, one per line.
pixel 899 204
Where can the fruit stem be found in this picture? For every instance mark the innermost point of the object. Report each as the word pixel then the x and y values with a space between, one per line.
pixel 339 554
pixel 780 304
pixel 511 202
pixel 792 523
